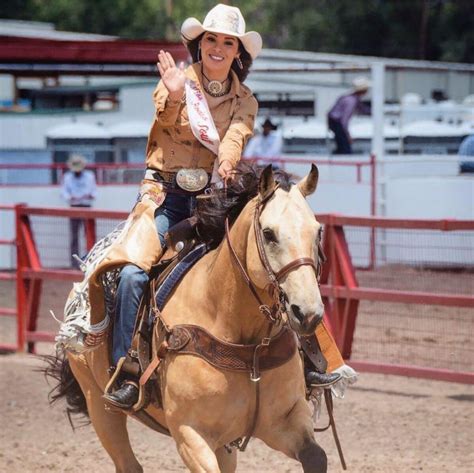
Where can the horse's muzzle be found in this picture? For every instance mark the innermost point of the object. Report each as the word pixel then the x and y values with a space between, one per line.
pixel 303 324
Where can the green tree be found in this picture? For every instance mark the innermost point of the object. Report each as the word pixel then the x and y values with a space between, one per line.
pixel 418 29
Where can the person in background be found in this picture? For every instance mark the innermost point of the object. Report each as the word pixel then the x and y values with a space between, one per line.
pixel 342 111
pixel 79 190
pixel 267 144
pixel 466 148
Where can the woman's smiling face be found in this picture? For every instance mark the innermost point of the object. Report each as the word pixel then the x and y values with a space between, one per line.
pixel 217 52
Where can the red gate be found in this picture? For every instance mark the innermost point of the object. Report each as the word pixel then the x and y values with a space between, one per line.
pixel 343 294
pixel 345 297
pixel 8 276
pixel 31 274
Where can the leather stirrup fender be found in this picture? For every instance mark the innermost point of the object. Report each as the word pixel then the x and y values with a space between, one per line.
pixel 312 350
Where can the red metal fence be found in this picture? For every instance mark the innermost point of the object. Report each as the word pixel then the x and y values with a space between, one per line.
pixel 6 242
pixel 410 316
pixel 31 273
pixel 124 173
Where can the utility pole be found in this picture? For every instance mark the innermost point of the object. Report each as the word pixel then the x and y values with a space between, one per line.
pixel 378 142
pixel 378 248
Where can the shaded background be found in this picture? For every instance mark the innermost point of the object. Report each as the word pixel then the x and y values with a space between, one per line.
pixel 441 30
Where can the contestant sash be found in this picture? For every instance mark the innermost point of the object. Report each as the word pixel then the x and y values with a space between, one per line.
pixel 202 124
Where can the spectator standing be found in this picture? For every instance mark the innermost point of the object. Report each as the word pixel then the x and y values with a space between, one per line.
pixel 466 148
pixel 79 190
pixel 342 111
pixel 267 144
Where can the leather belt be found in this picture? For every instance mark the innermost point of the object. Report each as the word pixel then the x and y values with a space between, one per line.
pixel 188 180
pixel 161 176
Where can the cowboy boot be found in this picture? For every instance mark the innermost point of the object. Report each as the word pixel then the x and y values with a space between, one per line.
pixel 125 397
pixel 125 381
pixel 320 380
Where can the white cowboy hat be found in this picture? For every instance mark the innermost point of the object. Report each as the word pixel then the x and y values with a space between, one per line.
pixel 226 20
pixel 76 162
pixel 360 84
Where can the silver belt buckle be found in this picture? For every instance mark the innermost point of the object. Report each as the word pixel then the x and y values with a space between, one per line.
pixel 192 180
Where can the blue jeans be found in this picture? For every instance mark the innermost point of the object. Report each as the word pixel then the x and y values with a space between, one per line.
pixel 133 280
pixel 343 145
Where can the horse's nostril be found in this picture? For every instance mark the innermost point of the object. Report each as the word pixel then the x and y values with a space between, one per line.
pixel 297 313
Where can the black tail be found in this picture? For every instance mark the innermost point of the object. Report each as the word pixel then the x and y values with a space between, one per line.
pixel 66 387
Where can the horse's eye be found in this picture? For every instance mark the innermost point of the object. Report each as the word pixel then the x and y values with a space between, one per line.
pixel 269 235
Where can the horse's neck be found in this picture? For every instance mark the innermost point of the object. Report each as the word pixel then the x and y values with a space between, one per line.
pixel 237 315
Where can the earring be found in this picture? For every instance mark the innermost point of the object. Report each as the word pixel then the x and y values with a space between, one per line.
pixel 198 56
pixel 239 62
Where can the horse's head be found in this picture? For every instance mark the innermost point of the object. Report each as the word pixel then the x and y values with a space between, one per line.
pixel 284 249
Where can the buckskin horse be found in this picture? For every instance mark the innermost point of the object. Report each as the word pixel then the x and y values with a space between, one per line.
pixel 254 292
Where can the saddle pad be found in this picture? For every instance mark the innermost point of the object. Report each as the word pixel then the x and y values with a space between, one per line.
pixel 175 275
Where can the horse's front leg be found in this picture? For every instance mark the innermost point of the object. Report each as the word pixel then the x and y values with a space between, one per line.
pixel 293 435
pixel 195 450
pixel 312 457
pixel 227 459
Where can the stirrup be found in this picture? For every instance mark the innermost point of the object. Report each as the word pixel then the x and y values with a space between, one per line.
pixel 124 397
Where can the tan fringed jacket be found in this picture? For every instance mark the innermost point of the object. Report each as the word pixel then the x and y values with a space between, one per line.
pixel 172 146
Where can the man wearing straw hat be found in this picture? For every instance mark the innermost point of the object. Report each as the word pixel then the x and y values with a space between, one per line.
pixel 79 190
pixel 342 111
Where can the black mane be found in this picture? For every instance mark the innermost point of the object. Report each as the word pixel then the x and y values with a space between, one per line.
pixel 214 208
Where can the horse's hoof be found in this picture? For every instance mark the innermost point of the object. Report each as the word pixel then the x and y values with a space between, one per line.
pixel 125 397
pixel 321 380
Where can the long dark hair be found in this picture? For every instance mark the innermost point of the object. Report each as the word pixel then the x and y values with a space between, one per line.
pixel 213 209
pixel 193 48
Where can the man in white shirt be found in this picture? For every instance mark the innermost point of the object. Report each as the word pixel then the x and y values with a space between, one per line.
pixel 268 144
pixel 79 190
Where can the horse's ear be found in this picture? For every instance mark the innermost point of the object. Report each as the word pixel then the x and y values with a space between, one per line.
pixel 308 184
pixel 266 184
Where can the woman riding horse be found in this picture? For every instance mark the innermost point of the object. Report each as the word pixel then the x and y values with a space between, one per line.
pixel 204 116
pixel 225 361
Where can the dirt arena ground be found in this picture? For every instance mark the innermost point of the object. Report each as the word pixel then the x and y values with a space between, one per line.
pixel 387 424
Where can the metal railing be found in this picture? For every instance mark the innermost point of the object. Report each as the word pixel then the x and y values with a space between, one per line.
pixel 369 335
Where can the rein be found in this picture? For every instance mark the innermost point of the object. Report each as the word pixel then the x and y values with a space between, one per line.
pixel 273 313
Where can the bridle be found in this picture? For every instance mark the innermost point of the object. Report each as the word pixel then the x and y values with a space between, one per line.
pixel 278 295
pixel 275 312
